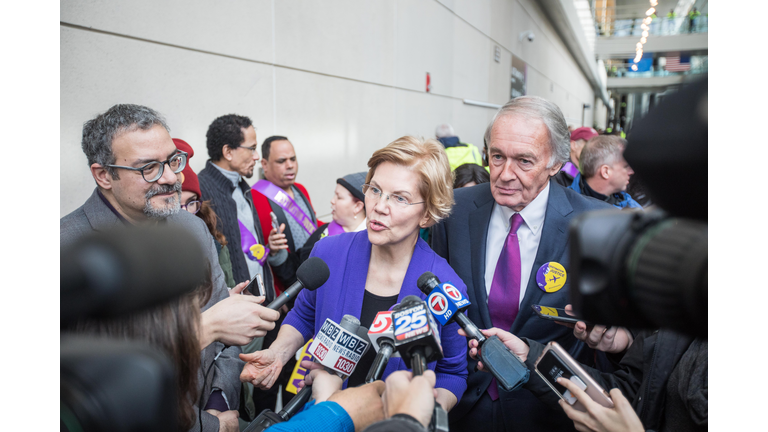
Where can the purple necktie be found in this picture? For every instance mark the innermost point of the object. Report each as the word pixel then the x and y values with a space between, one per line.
pixel 504 298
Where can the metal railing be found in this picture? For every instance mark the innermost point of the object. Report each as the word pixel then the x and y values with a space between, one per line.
pixel 656 71
pixel 662 26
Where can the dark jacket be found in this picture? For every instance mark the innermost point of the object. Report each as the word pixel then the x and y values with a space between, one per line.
pixel 619 200
pixel 642 376
pixel 286 272
pixel 461 239
pixel 218 189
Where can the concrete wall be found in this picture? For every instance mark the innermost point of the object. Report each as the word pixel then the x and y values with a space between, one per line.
pixel 340 79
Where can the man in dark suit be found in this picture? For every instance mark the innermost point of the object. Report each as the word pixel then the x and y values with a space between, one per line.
pixel 505 239
pixel 135 165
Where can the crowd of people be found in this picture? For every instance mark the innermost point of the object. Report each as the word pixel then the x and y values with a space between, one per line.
pixel 487 221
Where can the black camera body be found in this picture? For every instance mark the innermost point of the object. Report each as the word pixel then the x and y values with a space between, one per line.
pixel 648 269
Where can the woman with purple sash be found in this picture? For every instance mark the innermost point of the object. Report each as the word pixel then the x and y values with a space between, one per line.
pixel 348 205
pixel 409 186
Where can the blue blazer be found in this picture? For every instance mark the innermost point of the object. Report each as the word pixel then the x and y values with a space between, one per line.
pixel 348 256
pixel 461 239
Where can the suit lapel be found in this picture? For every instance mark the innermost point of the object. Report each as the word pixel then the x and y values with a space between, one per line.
pixel 479 220
pixel 554 239
pixel 99 215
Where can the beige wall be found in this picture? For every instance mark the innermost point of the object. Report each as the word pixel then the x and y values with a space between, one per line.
pixel 340 79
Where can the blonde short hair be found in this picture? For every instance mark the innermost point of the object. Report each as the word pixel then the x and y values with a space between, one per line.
pixel 430 162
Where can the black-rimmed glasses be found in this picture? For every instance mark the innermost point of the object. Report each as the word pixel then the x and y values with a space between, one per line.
pixel 152 171
pixel 192 206
pixel 377 193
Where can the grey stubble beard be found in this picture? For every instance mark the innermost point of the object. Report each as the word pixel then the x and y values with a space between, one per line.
pixel 171 205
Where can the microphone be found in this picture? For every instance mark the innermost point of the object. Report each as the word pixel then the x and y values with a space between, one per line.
pixel 416 336
pixel 311 274
pixel 447 304
pixel 338 347
pixel 382 337
pixel 418 341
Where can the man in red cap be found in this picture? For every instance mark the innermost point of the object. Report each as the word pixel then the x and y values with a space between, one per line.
pixel 570 169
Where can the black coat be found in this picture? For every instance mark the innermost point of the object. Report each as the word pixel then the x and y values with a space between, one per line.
pixel 217 189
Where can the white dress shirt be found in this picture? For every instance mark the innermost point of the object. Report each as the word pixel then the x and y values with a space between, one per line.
pixel 528 235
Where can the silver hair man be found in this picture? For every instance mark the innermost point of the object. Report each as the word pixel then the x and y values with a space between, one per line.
pixel 534 107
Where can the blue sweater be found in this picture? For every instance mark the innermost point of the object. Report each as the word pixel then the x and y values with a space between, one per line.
pixel 348 256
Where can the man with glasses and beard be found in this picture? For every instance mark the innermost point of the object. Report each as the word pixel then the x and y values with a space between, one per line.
pixel 135 164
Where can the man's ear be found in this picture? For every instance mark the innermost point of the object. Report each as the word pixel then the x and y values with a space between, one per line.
pixel 263 164
pixel 226 152
pixel 102 176
pixel 605 172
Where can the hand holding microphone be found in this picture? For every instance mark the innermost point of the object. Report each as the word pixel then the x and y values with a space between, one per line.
pixel 263 367
pixel 447 304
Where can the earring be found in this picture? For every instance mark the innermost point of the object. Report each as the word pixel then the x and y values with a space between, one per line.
pixel 355 217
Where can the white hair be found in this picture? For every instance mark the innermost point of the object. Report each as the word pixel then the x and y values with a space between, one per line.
pixel 537 108
pixel 444 130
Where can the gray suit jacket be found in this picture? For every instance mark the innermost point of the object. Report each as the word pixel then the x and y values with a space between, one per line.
pixel 94 215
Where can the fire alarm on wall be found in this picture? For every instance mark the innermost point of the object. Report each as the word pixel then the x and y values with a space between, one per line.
pixel 429 84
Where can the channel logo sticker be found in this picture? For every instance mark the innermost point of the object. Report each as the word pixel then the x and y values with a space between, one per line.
pixel 437 303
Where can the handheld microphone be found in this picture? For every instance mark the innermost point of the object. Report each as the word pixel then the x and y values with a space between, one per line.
pixel 416 336
pixel 447 304
pixel 339 348
pixel 418 341
pixel 382 337
pixel 311 274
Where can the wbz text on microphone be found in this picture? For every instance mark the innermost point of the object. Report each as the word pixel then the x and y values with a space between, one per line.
pixel 337 348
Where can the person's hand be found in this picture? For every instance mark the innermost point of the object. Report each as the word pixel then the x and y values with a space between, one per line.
pixel 620 418
pixel 509 340
pixel 406 394
pixel 227 420
pixel 237 320
pixel 599 337
pixel 277 240
pixel 323 384
pixel 239 289
pixel 363 404
pixel 262 368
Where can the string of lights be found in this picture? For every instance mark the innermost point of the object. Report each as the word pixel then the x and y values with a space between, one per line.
pixel 645 26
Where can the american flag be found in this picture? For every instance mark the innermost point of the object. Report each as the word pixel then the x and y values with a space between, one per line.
pixel 678 63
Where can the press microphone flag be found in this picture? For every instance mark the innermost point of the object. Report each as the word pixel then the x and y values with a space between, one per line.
pixel 447 304
pixel 382 337
pixel 337 348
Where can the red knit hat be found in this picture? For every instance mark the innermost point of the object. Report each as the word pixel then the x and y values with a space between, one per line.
pixel 585 133
pixel 189 181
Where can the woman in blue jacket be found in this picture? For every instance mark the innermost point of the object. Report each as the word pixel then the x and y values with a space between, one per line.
pixel 408 187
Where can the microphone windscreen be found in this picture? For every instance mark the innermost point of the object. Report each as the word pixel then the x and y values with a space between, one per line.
pixel 313 273
pixel 427 282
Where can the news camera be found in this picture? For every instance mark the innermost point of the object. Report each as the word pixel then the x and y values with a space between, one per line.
pixel 648 269
pixel 119 385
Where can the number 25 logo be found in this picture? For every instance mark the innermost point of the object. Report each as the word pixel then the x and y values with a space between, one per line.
pixel 410 322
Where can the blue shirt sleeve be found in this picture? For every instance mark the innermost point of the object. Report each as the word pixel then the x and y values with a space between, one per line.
pixel 322 417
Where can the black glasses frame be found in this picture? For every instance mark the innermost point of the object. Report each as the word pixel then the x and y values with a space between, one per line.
pixel 141 169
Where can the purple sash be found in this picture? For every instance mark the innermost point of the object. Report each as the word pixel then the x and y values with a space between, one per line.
pixel 334 228
pixel 250 246
pixel 570 169
pixel 278 196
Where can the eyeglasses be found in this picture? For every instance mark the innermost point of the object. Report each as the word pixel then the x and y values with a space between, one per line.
pixel 252 149
pixel 376 193
pixel 152 171
pixel 192 206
